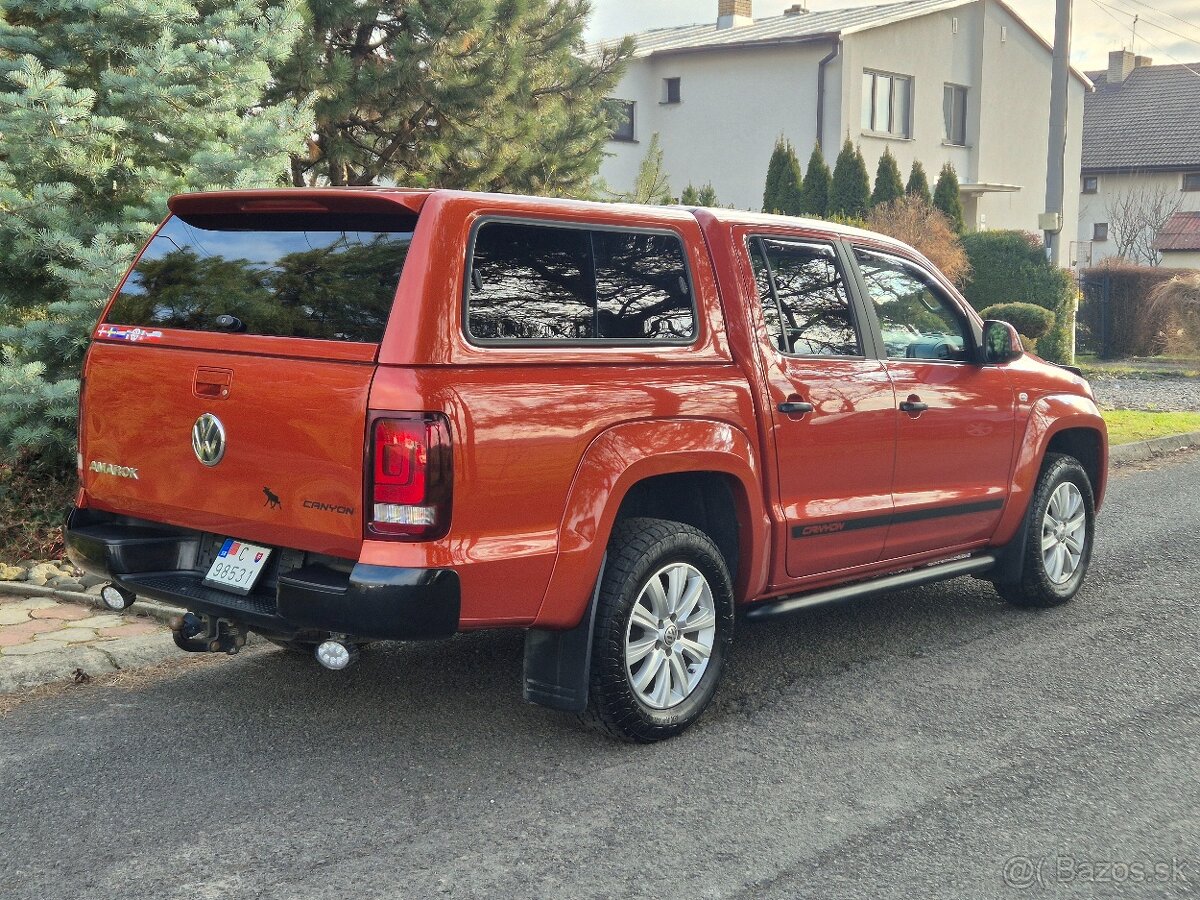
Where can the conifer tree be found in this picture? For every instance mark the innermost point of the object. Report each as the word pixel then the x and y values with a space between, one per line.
pixel 888 184
pixel 814 197
pixel 106 109
pixel 946 197
pixel 918 183
pixel 784 181
pixel 652 184
pixel 850 187
pixel 690 196
pixel 475 94
pixel 707 195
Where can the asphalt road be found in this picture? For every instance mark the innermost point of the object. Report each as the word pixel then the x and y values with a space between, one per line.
pixel 923 744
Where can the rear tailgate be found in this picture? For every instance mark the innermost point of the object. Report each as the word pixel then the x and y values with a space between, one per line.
pixel 291 471
pixel 226 389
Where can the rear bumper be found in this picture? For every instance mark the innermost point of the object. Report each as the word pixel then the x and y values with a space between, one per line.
pixel 369 602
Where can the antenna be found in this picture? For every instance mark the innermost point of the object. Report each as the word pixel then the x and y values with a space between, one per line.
pixel 1133 48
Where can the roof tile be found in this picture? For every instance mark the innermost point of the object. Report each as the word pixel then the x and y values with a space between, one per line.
pixel 1151 120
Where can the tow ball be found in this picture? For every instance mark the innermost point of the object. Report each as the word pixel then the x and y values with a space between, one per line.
pixel 207 634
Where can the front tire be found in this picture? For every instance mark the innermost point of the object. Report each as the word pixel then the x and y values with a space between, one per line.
pixel 1060 531
pixel 664 624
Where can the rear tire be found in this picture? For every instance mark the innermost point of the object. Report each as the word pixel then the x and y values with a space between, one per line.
pixel 1060 530
pixel 664 624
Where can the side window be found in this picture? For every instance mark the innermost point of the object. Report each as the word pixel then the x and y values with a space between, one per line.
pixel 531 282
pixel 917 319
pixel 806 305
pixel 547 283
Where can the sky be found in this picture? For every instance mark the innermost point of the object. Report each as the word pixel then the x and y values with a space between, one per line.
pixel 1167 28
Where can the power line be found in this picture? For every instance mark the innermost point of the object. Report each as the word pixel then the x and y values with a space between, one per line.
pixel 1165 13
pixel 1141 17
pixel 1103 7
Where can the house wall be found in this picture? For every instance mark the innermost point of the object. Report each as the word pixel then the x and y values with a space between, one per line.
pixel 1111 190
pixel 1178 259
pixel 734 105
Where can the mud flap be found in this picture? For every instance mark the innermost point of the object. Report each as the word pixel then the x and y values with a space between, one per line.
pixel 558 664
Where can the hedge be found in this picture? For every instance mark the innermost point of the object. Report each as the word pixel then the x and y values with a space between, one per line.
pixel 1031 321
pixel 1118 315
pixel 1011 267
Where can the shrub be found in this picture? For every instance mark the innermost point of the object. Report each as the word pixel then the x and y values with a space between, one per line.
pixel 1011 267
pixel 948 198
pixel 814 194
pixel 916 222
pixel 1031 321
pixel 889 185
pixel 918 183
pixel 1118 313
pixel 850 188
pixel 1178 301
pixel 784 181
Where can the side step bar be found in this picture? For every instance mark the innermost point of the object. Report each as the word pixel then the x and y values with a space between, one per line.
pixel 925 575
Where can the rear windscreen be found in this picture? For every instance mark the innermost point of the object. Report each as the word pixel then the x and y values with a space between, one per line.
pixel 331 277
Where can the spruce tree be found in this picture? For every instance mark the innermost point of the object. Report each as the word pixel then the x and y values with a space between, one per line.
pixel 475 94
pixel 690 196
pixel 814 197
pixel 850 187
pixel 918 183
pixel 707 195
pixel 888 184
pixel 946 197
pixel 106 109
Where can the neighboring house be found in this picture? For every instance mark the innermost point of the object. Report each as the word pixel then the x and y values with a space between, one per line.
pixel 1141 156
pixel 959 81
pixel 1179 241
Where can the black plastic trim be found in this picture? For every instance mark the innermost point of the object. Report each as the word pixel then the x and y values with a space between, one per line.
pixel 368 602
pixel 817 529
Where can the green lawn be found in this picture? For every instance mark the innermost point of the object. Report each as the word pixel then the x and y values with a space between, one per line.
pixel 1128 425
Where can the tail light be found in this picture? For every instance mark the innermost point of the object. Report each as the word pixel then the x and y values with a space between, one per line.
pixel 411 477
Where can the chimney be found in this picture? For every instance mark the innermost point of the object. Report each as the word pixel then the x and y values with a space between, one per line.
pixel 796 8
pixel 734 13
pixel 1120 64
pixel 1140 62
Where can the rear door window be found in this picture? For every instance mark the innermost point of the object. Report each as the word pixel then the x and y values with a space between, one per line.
pixel 544 283
pixel 329 277
pixel 805 302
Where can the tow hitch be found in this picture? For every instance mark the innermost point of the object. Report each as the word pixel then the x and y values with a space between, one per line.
pixel 207 634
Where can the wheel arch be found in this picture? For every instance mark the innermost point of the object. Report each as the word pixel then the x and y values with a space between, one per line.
pixel 1059 423
pixel 693 470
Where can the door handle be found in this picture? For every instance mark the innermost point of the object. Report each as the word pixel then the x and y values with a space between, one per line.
pixel 796 407
pixel 913 405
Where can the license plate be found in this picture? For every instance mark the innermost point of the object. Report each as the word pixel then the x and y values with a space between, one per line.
pixel 237 566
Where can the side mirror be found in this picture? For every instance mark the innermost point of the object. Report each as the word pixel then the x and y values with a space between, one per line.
pixel 1001 342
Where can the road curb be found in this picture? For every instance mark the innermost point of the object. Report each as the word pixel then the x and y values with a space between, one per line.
pixel 160 612
pixel 1143 451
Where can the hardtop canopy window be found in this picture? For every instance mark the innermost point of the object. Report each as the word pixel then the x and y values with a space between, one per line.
pixel 328 276
pixel 537 282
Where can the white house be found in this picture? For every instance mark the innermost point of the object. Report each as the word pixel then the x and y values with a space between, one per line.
pixel 959 81
pixel 1141 160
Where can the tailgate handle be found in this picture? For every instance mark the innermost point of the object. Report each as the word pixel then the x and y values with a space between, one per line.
pixel 212 384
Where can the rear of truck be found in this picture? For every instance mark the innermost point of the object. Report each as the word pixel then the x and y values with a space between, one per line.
pixel 229 457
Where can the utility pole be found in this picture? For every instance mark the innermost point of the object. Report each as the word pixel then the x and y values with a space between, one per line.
pixel 1052 221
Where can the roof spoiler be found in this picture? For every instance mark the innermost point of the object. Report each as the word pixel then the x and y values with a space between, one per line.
pixel 317 200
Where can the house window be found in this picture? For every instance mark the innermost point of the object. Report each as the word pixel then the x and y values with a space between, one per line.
pixel 1091 184
pixel 1100 231
pixel 621 113
pixel 887 101
pixel 954 111
pixel 1191 181
pixel 670 90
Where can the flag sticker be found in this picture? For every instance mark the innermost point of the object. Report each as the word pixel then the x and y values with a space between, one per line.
pixel 125 333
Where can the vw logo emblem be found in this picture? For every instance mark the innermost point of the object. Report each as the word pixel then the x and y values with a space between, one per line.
pixel 208 439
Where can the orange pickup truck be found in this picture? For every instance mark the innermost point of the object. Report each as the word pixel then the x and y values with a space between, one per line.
pixel 336 416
